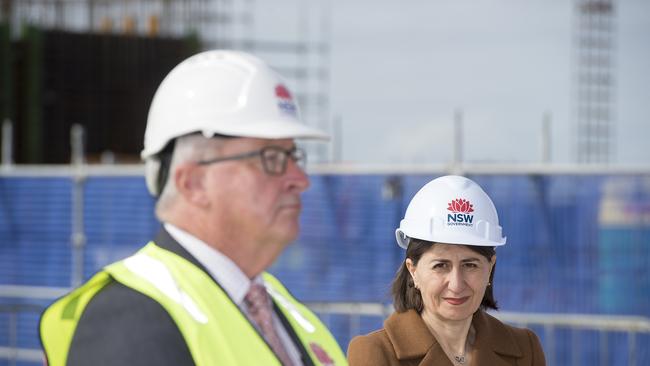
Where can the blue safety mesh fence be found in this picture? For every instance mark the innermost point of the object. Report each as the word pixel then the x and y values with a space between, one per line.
pixel 576 244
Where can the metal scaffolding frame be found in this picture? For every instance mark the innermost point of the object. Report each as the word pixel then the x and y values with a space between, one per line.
pixel 594 81
pixel 302 58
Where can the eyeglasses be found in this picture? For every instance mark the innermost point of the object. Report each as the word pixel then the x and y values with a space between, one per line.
pixel 274 158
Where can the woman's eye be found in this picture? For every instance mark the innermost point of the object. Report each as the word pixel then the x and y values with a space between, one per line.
pixel 471 265
pixel 440 266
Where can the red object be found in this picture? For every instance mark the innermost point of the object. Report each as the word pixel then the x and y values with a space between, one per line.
pixel 260 310
pixel 320 353
pixel 282 92
pixel 460 205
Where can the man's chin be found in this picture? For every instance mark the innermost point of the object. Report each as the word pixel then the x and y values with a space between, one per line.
pixel 289 236
pixel 286 226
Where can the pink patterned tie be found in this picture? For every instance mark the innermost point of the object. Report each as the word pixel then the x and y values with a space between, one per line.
pixel 259 308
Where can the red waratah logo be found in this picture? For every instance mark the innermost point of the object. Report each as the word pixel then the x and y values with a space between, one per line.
pixel 282 92
pixel 460 205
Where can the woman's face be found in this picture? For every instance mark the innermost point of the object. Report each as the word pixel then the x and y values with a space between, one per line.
pixel 452 280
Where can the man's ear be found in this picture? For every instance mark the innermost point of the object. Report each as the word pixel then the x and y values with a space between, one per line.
pixel 190 184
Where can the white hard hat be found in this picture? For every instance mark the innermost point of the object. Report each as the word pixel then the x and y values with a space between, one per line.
pixel 220 92
pixel 451 210
pixel 227 93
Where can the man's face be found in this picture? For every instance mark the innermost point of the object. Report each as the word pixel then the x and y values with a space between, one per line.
pixel 257 209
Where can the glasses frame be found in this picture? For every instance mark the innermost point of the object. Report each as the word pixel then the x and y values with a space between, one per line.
pixel 298 155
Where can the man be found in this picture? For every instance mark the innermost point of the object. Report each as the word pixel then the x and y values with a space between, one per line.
pixel 221 158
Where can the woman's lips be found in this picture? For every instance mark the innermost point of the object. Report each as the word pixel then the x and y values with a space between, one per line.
pixel 456 300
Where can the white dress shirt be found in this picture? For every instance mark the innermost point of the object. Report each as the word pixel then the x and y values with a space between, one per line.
pixel 231 278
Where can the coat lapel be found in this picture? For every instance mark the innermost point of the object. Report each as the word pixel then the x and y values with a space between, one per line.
pixel 165 241
pixel 493 341
pixel 436 356
pixel 412 340
pixel 408 335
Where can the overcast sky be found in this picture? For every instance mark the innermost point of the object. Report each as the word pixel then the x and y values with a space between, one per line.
pixel 400 70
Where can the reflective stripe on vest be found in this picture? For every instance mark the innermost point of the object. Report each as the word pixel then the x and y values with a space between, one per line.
pixel 204 314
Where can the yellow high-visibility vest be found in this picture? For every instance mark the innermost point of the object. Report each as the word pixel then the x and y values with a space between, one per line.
pixel 215 330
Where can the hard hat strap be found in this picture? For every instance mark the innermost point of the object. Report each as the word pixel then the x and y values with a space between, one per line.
pixel 165 158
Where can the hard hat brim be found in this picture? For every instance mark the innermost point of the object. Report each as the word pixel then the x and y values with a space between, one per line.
pixel 403 239
pixel 282 129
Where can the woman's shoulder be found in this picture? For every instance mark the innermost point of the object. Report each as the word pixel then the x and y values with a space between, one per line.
pixel 526 340
pixel 519 333
pixel 496 325
pixel 403 334
pixel 369 349
pixel 372 340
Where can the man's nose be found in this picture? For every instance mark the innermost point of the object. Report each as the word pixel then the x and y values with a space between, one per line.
pixel 295 177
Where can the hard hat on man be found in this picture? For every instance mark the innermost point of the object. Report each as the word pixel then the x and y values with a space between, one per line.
pixel 220 92
pixel 223 92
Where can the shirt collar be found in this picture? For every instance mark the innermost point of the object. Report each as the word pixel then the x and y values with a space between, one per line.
pixel 231 278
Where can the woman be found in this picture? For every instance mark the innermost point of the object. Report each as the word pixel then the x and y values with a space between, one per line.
pixel 444 286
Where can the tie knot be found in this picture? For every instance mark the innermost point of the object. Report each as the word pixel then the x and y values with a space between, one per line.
pixel 257 299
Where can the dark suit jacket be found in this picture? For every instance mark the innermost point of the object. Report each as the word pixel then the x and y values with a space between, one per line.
pixel 121 326
pixel 406 340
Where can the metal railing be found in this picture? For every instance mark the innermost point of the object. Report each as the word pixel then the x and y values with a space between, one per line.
pixel 633 326
pixel 11 351
pixel 551 323
pixel 20 296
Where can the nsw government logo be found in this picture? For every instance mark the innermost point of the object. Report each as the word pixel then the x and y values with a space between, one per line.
pixel 461 215
pixel 285 101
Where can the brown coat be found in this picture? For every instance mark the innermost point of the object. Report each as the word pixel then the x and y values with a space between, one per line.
pixel 406 341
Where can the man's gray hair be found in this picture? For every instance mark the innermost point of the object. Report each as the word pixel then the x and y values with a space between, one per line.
pixel 189 148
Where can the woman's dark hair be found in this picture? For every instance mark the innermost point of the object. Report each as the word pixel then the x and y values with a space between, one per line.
pixel 406 296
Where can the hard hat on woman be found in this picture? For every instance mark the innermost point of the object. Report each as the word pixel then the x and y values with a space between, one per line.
pixel 452 210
